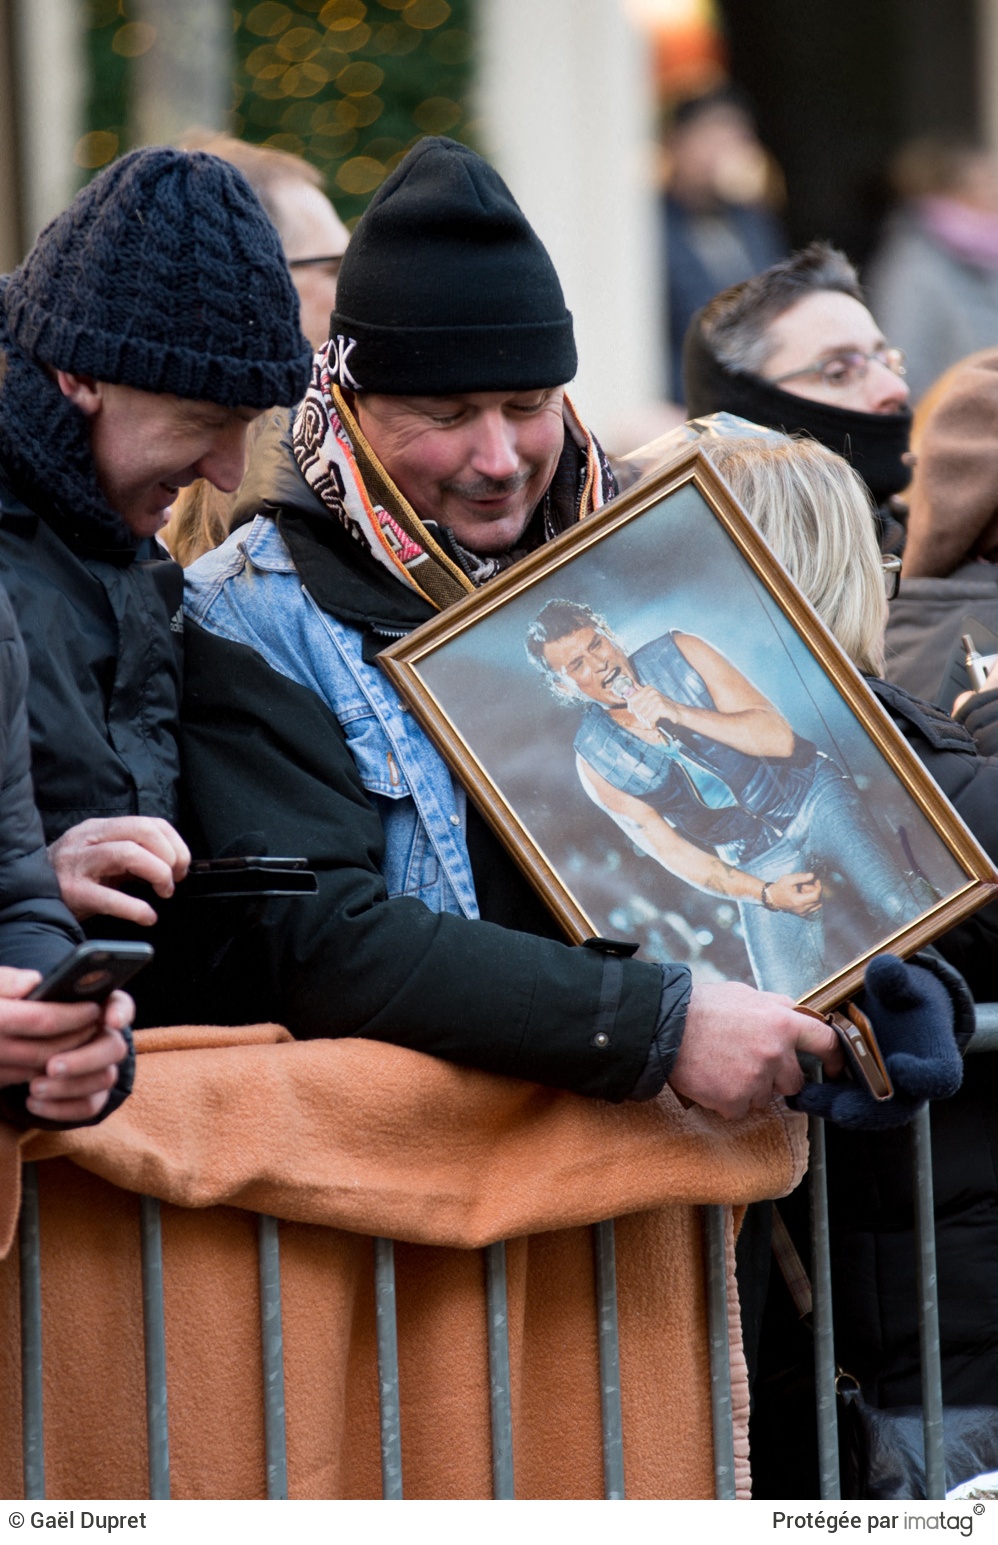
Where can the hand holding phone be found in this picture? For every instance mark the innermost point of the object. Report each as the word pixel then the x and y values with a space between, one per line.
pixel 92 972
pixel 66 1035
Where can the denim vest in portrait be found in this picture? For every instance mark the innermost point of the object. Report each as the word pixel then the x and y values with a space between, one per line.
pixel 707 791
pixel 249 591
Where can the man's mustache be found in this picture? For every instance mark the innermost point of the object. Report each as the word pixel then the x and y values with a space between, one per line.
pixel 490 487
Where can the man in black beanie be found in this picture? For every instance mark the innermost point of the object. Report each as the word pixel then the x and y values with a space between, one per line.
pixel 435 445
pixel 150 324
pixel 796 349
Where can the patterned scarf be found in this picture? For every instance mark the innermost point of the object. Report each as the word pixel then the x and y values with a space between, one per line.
pixel 340 466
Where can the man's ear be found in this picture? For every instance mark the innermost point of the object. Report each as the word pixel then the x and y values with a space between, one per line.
pixel 83 391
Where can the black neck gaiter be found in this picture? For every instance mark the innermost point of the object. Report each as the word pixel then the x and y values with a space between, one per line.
pixel 874 443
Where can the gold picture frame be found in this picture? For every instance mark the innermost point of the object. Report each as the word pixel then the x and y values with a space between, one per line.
pixel 674 567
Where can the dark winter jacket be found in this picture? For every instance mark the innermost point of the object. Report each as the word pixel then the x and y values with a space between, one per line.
pixel 269 764
pixel 926 621
pixel 36 930
pixel 965 766
pixel 870 1189
pixel 103 631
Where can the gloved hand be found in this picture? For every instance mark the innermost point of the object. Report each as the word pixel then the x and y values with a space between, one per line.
pixel 916 1012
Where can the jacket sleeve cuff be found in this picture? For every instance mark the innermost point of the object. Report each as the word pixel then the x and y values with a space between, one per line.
pixel 14 1109
pixel 677 984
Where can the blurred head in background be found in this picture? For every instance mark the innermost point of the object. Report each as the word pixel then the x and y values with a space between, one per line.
pixel 713 154
pixel 312 234
pixel 814 513
pixel 795 348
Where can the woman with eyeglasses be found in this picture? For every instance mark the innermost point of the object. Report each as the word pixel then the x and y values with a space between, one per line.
pixel 814 513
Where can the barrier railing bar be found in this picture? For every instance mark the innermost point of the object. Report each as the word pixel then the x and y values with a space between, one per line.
pixel 272 1333
pixel 928 1305
pixel 30 1260
pixel 388 1370
pixel 155 1349
pixel 829 1483
pixel 985 1037
pixel 722 1419
pixel 611 1416
pixel 500 1400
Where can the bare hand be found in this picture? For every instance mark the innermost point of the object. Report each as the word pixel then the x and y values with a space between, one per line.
pixel 67 1052
pixel 740 1048
pixel 92 859
pixel 796 893
pixel 990 682
pixel 649 705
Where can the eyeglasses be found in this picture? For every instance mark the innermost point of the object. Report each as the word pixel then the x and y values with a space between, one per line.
pixel 332 263
pixel 848 368
pixel 891 566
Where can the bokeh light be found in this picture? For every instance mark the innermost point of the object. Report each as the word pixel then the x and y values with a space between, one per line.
pixel 350 84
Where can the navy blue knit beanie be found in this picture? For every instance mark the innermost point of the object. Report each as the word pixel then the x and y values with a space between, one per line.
pixel 445 287
pixel 165 274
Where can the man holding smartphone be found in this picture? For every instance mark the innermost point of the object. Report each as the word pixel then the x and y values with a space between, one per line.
pixel 150 324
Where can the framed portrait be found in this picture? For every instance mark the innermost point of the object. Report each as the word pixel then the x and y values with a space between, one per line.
pixel 679 755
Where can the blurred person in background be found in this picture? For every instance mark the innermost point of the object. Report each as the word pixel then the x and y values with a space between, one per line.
pixel 312 234
pixel 934 280
pixel 718 222
pixel 150 324
pixel 813 512
pixel 951 555
pixel 314 239
pixel 796 349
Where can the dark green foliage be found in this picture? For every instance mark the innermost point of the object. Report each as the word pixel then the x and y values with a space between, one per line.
pixel 350 84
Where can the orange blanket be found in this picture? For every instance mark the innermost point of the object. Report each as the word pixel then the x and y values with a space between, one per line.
pixel 343 1140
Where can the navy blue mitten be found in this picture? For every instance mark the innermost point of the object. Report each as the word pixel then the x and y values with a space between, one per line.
pixel 918 1013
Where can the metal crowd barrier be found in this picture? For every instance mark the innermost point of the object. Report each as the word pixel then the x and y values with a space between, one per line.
pixel 985 1039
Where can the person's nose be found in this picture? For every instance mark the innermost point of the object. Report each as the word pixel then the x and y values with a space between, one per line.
pixel 886 392
pixel 495 453
pixel 224 464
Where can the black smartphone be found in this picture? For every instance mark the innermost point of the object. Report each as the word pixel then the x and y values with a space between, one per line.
pixel 250 876
pixel 92 972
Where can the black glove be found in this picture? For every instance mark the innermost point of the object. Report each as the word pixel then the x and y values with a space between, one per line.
pixel 917 1012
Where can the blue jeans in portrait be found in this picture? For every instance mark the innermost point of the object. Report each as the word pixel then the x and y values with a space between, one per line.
pixel 831 832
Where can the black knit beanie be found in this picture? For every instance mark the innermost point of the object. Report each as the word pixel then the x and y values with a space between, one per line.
pixel 874 443
pixel 446 288
pixel 165 274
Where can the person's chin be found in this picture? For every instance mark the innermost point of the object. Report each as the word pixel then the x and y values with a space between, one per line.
pixel 153 514
pixel 487 530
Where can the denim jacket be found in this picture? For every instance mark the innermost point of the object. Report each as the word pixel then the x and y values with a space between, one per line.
pixel 249 592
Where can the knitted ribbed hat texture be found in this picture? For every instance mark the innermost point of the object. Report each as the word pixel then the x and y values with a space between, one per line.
pixel 165 274
pixel 445 287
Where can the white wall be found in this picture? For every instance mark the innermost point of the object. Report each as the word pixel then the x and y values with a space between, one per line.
pixel 565 106
pixel 185 80
pixel 51 77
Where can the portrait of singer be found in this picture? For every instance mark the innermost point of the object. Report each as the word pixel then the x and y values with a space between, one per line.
pixel 704 774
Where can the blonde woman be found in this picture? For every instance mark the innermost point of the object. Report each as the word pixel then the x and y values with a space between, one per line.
pixel 814 513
